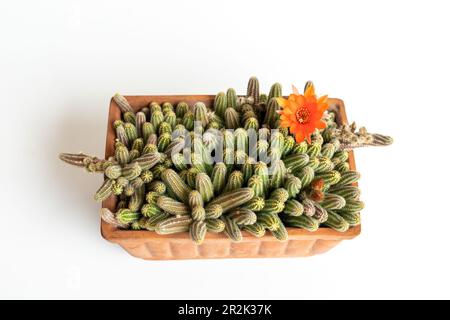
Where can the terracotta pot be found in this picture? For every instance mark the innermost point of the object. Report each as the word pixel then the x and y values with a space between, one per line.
pixel 151 246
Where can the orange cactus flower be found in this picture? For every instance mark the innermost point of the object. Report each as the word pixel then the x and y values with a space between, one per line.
pixel 302 114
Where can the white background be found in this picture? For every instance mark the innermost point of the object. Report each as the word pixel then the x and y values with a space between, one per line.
pixel 60 62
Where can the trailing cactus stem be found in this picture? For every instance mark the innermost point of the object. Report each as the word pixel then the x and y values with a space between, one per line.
pixel 232 229
pixel 172 206
pixel 197 231
pixel 256 229
pixel 122 103
pixel 174 225
pixel 176 184
pixel 233 198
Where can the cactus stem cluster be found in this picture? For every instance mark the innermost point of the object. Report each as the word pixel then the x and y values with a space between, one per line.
pixel 227 168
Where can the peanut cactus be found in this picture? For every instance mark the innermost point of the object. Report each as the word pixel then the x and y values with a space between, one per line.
pixel 166 181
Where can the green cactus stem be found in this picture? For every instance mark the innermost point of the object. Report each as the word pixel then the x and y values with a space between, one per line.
pixel 257 229
pixel 197 231
pixel 220 104
pixel 200 113
pixel 278 174
pixel 256 183
pixel 181 109
pixel 198 213
pixel 352 206
pixel 349 138
pixel 348 178
pixel 314 150
pixel 195 199
pixel 152 221
pixel 131 171
pixel 215 225
pixel 167 107
pixel 352 218
pixel 325 165
pixel 269 220
pixel 272 206
pixel 280 233
pixel 303 222
pixel 242 216
pixel 172 206
pixel 105 190
pixel 127 216
pixel 149 210
pixel 308 207
pixel 157 186
pixel 233 199
pixel 232 229
pixel 120 133
pixel 136 200
pixel 280 194
pixel 272 117
pixel 293 208
pixel 176 185
pixel 174 225
pixel 231 98
pixel 213 211
pixel 235 181
pixel 256 204
pixel 130 117
pixel 122 103
pixel 275 91
pixel 231 118
pixel 253 89
pixel 348 192
pixel 151 197
pixel 140 120
pixel 204 185
pixel 110 218
pixel 218 177
pixel 329 178
pixel 78 160
pixel 293 185
pixel 130 131
pixel 149 160
pixel 336 222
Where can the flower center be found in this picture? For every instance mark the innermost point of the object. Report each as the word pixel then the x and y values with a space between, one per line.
pixel 302 115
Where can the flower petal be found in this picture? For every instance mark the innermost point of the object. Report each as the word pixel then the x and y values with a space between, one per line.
pixel 281 101
pixel 321 125
pixel 299 137
pixel 295 90
pixel 322 99
pixel 309 91
pixel 308 138
pixel 300 100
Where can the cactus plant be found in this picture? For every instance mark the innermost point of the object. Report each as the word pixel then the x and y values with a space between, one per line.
pixel 166 181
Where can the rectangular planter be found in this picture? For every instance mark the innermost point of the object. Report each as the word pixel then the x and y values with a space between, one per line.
pixel 151 246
